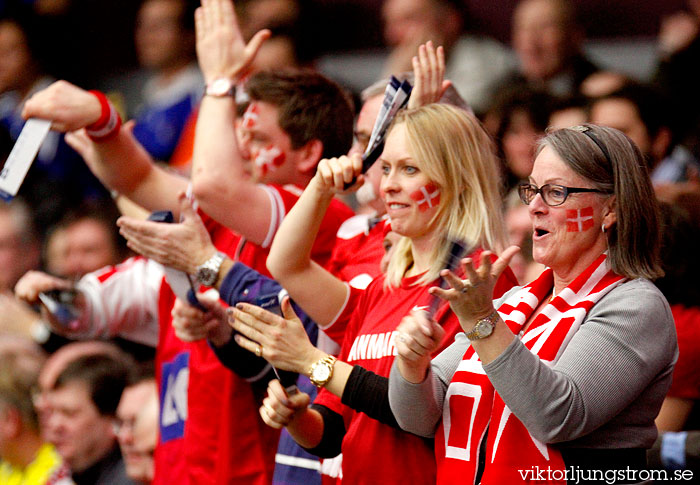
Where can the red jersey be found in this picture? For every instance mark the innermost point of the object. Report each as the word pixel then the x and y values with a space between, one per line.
pixel 209 428
pixel 374 452
pixel 358 250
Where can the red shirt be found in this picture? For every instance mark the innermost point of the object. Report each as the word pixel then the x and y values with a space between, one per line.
pixel 374 452
pixel 686 373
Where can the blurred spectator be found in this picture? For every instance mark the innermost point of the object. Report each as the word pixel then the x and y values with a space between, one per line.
pixel 83 403
pixel 679 48
pixel 136 426
pixel 24 456
pixel 85 240
pixel 641 113
pixel 473 62
pixel 19 253
pixel 568 111
pixel 57 165
pixel 675 448
pixel 19 245
pixel 547 40
pixel 56 363
pixel 168 86
pixel 520 117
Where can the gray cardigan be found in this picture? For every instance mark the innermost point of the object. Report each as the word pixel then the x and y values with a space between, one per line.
pixel 604 392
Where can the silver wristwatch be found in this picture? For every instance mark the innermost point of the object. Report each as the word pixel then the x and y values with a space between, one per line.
pixel 484 327
pixel 208 272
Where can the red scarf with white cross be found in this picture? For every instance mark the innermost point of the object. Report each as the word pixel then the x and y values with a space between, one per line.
pixel 472 406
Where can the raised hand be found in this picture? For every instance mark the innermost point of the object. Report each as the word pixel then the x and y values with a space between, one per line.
pixel 472 299
pixel 332 174
pixel 221 49
pixel 417 338
pixel 182 246
pixel 68 107
pixel 278 409
pixel 429 76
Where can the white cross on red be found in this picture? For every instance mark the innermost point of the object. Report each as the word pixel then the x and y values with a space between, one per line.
pixel 427 196
pixel 578 220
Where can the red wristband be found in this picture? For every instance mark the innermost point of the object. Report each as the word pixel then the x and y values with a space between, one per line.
pixel 108 123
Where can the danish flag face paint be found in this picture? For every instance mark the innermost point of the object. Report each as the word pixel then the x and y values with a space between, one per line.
pixel 251 116
pixel 269 158
pixel 427 197
pixel 579 220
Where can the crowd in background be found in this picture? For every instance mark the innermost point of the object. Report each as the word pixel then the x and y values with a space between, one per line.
pixel 96 411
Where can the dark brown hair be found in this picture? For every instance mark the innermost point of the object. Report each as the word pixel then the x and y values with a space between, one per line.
pixel 310 107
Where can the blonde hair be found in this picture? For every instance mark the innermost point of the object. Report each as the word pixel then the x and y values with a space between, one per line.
pixel 450 146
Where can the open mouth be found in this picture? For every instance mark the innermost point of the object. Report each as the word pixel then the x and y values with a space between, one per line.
pixel 540 232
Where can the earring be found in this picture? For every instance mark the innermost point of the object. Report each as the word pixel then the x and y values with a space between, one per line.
pixel 603 227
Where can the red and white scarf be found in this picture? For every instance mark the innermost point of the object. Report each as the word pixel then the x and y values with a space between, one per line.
pixel 472 406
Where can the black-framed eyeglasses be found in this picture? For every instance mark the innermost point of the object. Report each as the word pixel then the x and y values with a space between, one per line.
pixel 552 194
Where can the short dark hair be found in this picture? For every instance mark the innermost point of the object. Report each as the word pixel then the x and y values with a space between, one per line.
pixel 634 240
pixel 310 107
pixel 105 377
pixel 102 211
pixel 650 104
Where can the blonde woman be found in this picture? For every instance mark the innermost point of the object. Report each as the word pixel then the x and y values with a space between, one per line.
pixel 439 182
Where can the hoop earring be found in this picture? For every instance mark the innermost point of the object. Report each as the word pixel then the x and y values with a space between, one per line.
pixel 603 228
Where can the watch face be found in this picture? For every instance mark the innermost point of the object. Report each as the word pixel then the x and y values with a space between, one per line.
pixel 205 275
pixel 220 87
pixel 484 328
pixel 322 372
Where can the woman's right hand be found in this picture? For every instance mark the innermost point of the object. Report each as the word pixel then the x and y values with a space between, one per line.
pixel 333 174
pixel 417 338
pixel 278 409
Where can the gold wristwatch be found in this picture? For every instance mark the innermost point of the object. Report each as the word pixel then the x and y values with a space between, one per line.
pixel 321 372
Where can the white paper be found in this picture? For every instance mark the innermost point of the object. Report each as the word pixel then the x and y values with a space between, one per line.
pixel 23 153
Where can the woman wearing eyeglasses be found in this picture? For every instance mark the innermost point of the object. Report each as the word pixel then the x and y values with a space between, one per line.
pixel 562 378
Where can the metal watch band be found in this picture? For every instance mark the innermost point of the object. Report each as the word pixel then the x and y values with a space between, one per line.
pixel 484 327
pixel 208 272
pixel 329 362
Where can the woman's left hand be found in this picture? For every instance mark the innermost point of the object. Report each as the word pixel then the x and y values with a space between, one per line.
pixel 472 299
pixel 282 341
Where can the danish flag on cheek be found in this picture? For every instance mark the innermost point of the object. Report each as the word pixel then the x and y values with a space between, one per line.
pixel 427 197
pixel 579 220
pixel 251 117
pixel 268 159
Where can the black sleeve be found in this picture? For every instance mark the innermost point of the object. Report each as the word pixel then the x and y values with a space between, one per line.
pixel 368 393
pixel 333 433
pixel 248 366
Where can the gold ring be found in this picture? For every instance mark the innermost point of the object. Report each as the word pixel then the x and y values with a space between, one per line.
pixel 258 350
